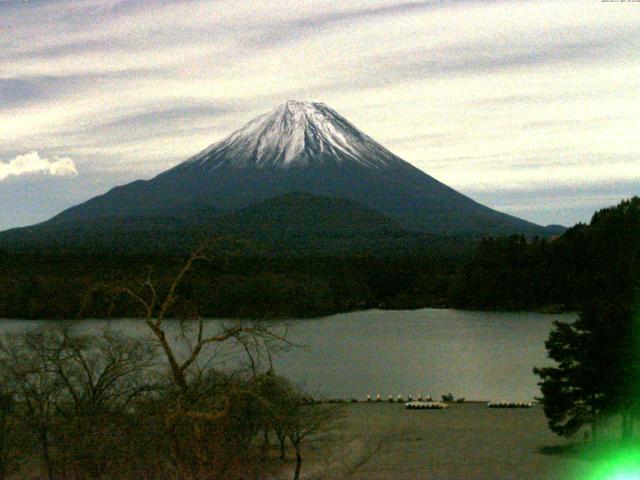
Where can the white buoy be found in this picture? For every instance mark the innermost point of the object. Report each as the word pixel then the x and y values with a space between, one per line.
pixel 378 397
pixel 368 397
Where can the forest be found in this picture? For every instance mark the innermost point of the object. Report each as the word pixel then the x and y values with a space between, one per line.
pixel 230 285
pixel 600 260
pixel 505 273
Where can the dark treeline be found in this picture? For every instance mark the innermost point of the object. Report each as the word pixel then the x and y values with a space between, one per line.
pixel 231 285
pixel 598 260
pixel 508 273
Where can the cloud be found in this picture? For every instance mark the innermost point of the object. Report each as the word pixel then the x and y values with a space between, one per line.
pixel 488 96
pixel 32 163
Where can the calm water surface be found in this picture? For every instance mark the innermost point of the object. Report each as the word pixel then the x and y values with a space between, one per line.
pixel 477 355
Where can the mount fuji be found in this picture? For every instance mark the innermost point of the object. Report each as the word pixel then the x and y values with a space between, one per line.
pixel 302 148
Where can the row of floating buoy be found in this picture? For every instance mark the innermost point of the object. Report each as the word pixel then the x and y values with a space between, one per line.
pixel 425 405
pixel 427 402
pixel 510 405
pixel 420 402
pixel 441 405
pixel 400 398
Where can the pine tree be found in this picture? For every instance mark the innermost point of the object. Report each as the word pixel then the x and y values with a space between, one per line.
pixel 597 368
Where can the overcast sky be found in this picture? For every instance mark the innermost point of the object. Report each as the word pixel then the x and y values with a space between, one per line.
pixel 531 107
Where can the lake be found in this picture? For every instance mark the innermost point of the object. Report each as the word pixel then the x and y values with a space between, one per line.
pixel 477 355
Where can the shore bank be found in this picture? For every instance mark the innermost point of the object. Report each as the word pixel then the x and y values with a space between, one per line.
pixel 465 441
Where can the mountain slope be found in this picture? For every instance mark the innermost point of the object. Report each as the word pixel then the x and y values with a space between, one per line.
pixel 286 224
pixel 301 147
pixel 304 215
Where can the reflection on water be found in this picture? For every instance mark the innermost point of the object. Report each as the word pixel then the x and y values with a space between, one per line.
pixel 476 355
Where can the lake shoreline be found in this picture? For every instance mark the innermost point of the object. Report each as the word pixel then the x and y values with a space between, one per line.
pixel 548 310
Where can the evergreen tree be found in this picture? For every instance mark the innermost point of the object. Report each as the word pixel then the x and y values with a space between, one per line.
pixel 597 369
pixel 570 398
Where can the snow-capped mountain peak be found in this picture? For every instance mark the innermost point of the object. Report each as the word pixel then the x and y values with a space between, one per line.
pixel 295 134
pixel 298 147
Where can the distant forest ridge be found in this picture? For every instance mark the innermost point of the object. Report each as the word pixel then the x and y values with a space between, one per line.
pixel 294 223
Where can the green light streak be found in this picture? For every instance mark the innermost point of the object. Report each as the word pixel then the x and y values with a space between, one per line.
pixel 620 465
pixel 622 462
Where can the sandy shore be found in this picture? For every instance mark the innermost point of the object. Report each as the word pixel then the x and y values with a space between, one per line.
pixel 466 441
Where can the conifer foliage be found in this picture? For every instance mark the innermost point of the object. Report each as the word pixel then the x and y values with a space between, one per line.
pixel 597 356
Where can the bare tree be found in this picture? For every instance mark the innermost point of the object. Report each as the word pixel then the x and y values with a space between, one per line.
pixel 8 446
pixel 99 372
pixel 280 398
pixel 305 420
pixel 157 307
pixel 73 391
pixel 37 391
pixel 190 409
pixel 101 375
